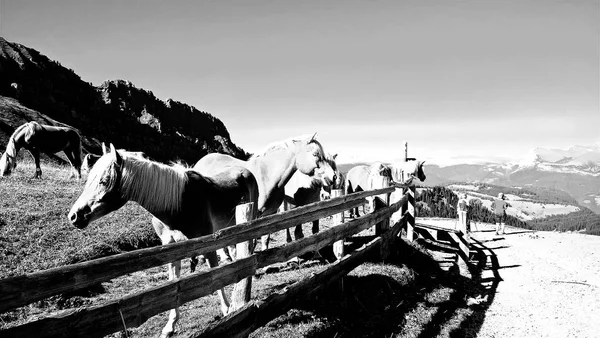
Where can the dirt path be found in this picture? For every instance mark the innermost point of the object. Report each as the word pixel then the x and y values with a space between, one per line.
pixel 540 284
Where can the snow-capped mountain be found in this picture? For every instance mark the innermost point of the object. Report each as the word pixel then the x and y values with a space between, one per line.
pixel 575 170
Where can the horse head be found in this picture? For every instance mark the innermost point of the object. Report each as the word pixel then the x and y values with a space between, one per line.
pixel 310 157
pixel 101 194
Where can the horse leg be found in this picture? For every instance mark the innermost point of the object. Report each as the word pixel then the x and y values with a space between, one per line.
pixel 169 328
pixel 315 230
pixel 211 261
pixel 36 157
pixel 75 167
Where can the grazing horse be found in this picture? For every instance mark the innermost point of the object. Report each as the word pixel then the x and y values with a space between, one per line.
pixel 187 204
pixel 38 138
pixel 360 178
pixel 273 168
pixel 302 190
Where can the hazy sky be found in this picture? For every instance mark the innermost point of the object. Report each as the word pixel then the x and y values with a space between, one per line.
pixel 455 79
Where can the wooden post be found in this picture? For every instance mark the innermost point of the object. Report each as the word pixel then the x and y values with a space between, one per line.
pixel 242 291
pixel 410 221
pixel 410 205
pixel 338 246
pixel 381 201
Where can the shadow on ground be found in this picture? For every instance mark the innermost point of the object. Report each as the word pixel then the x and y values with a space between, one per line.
pixel 408 295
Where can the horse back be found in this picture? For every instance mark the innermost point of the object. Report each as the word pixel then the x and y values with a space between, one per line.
pixel 50 139
pixel 357 178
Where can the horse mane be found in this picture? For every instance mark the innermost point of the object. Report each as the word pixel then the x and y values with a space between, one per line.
pixel 153 185
pixel 11 148
pixel 289 144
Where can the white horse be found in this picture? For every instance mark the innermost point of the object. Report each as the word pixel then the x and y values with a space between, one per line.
pixel 404 173
pixel 361 178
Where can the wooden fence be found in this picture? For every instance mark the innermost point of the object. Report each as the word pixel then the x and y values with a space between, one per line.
pixel 135 309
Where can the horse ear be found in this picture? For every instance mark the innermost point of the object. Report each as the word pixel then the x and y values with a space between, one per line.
pixel 116 156
pixel 334 156
pixel 312 138
pixel 104 149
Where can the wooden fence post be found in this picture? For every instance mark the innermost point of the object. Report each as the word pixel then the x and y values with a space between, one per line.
pixel 410 220
pixel 242 291
pixel 381 201
pixel 337 219
pixel 410 205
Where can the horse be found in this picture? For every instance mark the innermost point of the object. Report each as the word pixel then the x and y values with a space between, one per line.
pixel 360 178
pixel 273 168
pixel 404 173
pixel 302 190
pixel 38 138
pixel 187 203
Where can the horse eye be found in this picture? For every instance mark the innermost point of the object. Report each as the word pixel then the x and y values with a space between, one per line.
pixel 104 182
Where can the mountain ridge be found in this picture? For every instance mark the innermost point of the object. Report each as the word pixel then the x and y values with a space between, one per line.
pixel 116 111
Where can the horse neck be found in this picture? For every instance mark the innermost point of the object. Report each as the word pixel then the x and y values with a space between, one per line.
pixel 157 187
pixel 12 148
pixel 274 168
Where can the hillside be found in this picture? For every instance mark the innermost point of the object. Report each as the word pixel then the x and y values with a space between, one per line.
pixel 116 111
pixel 537 208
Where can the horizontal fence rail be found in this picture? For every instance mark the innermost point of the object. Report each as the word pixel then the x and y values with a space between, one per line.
pixel 21 290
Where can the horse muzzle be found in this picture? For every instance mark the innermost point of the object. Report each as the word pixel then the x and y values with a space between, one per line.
pixel 80 218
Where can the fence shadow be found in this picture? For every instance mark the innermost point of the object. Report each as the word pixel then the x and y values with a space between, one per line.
pixel 385 300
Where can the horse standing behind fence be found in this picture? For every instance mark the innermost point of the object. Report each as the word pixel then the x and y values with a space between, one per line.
pixel 38 138
pixel 302 190
pixel 360 178
pixel 187 204
pixel 403 174
pixel 273 168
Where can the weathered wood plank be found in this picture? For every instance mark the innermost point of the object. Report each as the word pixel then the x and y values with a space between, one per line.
pixel 437 227
pixel 98 321
pixel 21 290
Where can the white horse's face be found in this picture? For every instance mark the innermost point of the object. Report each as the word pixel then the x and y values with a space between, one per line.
pixel 311 160
pixel 101 194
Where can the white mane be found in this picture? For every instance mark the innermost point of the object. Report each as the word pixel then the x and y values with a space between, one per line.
pixel 155 186
pixel 284 144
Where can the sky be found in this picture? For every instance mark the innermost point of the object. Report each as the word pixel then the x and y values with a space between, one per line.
pixel 459 81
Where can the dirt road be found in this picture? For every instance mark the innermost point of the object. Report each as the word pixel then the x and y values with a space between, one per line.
pixel 540 284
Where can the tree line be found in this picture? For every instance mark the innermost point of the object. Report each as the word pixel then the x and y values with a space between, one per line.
pixel 441 202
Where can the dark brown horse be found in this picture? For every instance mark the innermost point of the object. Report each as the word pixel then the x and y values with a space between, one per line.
pixel 38 138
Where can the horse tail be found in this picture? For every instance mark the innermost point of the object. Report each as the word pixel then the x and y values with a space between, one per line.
pixel 77 151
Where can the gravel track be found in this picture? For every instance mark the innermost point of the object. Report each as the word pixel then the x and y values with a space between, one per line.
pixel 540 284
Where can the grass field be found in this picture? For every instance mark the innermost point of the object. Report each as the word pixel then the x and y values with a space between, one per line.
pixel 401 297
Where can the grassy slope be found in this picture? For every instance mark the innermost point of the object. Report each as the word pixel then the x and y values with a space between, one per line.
pixel 35 233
